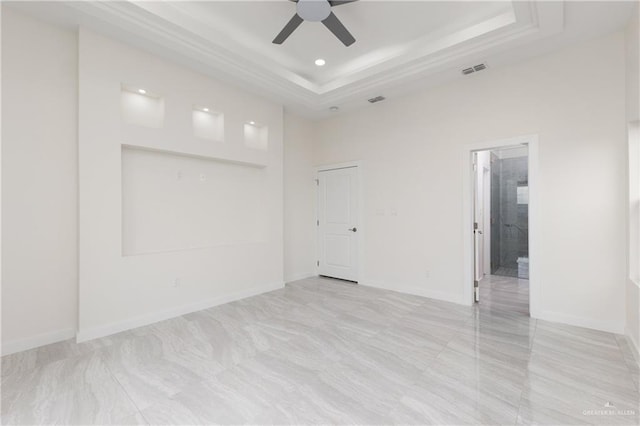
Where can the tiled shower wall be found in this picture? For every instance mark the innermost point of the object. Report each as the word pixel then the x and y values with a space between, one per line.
pixel 509 216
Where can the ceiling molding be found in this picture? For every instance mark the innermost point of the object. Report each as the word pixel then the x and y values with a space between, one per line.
pixel 131 18
pixel 172 26
pixel 192 35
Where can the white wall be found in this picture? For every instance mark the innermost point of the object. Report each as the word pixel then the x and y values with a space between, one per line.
pixel 632 36
pixel 39 182
pixel 632 44
pixel 411 148
pixel 299 199
pixel 189 265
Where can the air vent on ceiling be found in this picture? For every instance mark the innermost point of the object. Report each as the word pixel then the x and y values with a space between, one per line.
pixel 475 68
pixel 377 99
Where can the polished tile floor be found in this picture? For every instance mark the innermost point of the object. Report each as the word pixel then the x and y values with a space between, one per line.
pixel 326 352
pixel 504 294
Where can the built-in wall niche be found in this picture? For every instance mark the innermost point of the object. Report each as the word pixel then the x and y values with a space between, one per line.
pixel 256 135
pixel 142 107
pixel 174 202
pixel 208 124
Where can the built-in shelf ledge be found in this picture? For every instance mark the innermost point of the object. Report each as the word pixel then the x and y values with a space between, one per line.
pixel 226 153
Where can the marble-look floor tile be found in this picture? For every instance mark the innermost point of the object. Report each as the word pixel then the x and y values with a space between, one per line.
pixel 501 327
pixel 441 399
pixel 586 376
pixel 489 375
pixel 547 400
pixel 627 352
pixel 38 357
pixel 77 390
pixel 322 351
pixel 336 407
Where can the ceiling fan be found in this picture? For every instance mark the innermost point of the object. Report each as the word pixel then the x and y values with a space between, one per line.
pixel 317 11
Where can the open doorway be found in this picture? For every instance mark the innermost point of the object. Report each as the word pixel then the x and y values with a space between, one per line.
pixel 501 228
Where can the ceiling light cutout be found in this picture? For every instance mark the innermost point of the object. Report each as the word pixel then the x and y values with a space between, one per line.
pixel 320 62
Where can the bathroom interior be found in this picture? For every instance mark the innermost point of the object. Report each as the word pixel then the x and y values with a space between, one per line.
pixel 509 217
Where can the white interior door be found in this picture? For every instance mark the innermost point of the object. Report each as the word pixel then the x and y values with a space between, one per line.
pixel 337 223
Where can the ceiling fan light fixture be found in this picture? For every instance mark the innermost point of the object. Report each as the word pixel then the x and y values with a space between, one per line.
pixel 313 10
pixel 317 11
pixel 320 62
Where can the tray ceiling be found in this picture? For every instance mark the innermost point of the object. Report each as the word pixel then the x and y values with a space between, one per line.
pixel 399 44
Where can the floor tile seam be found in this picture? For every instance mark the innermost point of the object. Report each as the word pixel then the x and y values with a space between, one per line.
pixel 453 336
pixel 115 378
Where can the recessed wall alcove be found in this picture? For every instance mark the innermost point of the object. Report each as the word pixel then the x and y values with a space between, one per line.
pixel 207 124
pixel 142 107
pixel 256 136
pixel 172 202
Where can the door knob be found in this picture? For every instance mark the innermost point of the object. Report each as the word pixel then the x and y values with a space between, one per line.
pixel 354 229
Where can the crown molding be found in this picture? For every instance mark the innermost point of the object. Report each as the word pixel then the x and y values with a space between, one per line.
pixel 170 27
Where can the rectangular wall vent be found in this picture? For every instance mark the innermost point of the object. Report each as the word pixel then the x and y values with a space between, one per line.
pixel 376 99
pixel 475 68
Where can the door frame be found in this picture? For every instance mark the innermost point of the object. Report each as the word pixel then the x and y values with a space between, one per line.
pixel 361 227
pixel 467 215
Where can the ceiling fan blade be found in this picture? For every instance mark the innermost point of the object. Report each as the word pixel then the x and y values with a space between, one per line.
pixel 288 29
pixel 335 26
pixel 340 2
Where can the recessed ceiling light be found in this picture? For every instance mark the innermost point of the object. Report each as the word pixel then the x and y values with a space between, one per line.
pixel 205 109
pixel 333 108
pixel 142 91
pixel 252 123
pixel 320 62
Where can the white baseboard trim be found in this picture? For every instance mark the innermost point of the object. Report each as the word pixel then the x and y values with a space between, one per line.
pixel 635 347
pixel 416 291
pixel 142 320
pixel 300 277
pixel 608 326
pixel 19 345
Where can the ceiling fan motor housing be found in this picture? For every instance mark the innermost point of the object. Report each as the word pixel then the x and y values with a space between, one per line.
pixel 314 10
